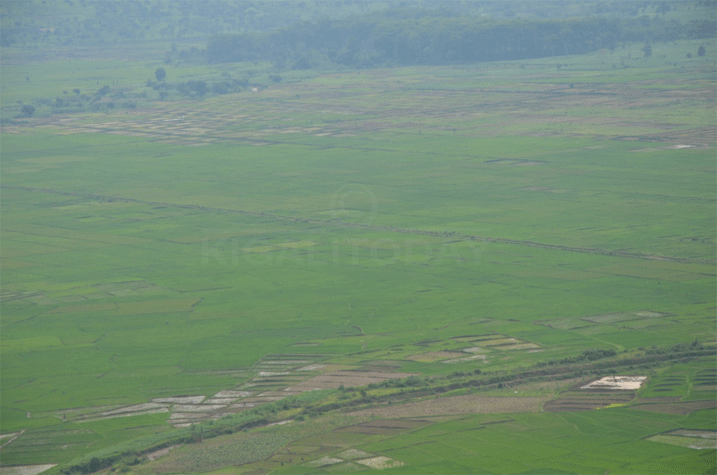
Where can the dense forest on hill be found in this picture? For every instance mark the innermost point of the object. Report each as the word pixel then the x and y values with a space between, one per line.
pixel 100 22
pixel 420 37
pixel 267 42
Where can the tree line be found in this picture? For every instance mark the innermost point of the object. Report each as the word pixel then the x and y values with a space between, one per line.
pixel 419 37
pixel 93 22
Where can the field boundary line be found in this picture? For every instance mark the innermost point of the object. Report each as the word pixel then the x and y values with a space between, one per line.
pixel 339 223
pixel 14 437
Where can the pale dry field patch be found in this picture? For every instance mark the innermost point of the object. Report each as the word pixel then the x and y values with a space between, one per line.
pixel 473 349
pixel 352 454
pixel 682 441
pixel 181 399
pixel 137 408
pixel 380 462
pixel 433 356
pixel 232 394
pixel 25 469
pixel 465 358
pixel 616 382
pixel 311 367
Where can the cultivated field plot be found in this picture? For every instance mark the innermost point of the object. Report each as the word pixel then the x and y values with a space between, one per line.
pixel 684 382
pixel 694 439
pixel 587 399
pixel 563 442
pixel 470 404
pixel 167 266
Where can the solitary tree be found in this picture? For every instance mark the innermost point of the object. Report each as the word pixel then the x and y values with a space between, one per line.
pixel 27 110
pixel 647 49
pixel 197 433
pixel 160 74
pixel 701 51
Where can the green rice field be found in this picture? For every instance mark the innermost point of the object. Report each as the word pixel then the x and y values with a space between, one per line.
pixel 344 229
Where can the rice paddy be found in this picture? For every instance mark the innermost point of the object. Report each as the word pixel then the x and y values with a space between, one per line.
pixel 165 267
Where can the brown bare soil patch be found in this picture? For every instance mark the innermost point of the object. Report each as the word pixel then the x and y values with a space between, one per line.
pixel 655 400
pixel 574 406
pixel 382 366
pixel 468 404
pixel 588 399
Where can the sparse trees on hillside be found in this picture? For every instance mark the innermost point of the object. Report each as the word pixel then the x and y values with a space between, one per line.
pixel 27 110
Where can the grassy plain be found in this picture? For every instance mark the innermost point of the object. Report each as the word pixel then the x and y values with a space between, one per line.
pixel 394 219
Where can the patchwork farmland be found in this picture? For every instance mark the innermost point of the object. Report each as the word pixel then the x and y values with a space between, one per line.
pixel 419 270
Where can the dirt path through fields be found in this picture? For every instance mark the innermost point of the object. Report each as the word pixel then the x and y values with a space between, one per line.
pixel 15 436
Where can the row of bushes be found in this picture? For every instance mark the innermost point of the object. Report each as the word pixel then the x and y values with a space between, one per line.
pixel 199 88
pixel 591 354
